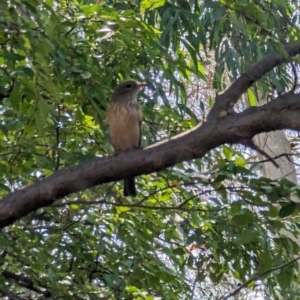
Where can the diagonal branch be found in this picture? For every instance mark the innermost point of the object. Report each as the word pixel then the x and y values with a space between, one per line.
pixel 259 276
pixel 281 113
pixel 225 101
pixel 24 282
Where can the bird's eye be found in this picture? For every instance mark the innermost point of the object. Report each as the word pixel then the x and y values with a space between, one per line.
pixel 128 86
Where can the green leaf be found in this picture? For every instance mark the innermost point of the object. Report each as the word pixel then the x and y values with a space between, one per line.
pixel 240 161
pixel 285 278
pixel 15 97
pixel 74 206
pixel 245 238
pixel 227 152
pixel 236 207
pixel 210 102
pixel 151 4
pixel 265 260
pixel 179 251
pixel 243 219
pixel 217 274
pixel 89 10
pixel 287 210
pixel 121 209
pixel 12 56
pixel 28 72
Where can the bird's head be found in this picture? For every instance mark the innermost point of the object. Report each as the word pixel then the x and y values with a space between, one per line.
pixel 127 91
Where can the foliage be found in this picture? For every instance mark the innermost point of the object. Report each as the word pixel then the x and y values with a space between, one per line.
pixel 194 231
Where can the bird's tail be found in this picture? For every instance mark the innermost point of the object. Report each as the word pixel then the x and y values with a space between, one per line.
pixel 129 187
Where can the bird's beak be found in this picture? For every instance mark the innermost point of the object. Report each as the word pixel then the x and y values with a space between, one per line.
pixel 141 84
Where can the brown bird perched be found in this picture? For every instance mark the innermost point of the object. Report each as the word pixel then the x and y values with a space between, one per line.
pixel 124 117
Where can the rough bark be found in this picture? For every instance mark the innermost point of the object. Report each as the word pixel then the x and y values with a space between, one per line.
pixel 222 126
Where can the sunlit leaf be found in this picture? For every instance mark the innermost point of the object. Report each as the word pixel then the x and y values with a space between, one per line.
pixel 251 98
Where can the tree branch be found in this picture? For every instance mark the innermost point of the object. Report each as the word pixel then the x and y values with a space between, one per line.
pixel 24 282
pixel 259 276
pixel 225 101
pixel 281 113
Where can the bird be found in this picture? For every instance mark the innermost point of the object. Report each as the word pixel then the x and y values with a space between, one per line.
pixel 124 117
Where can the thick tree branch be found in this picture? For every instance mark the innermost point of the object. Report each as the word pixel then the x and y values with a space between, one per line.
pixel 226 100
pixel 281 113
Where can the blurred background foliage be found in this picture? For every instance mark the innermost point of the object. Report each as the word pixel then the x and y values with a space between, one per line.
pixel 195 231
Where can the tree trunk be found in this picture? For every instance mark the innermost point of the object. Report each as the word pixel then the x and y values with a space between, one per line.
pixel 275 144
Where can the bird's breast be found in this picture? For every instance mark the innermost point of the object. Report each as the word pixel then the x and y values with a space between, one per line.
pixel 124 125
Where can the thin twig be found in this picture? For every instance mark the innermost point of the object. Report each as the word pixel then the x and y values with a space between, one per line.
pixel 275 157
pixel 259 276
pixel 250 144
